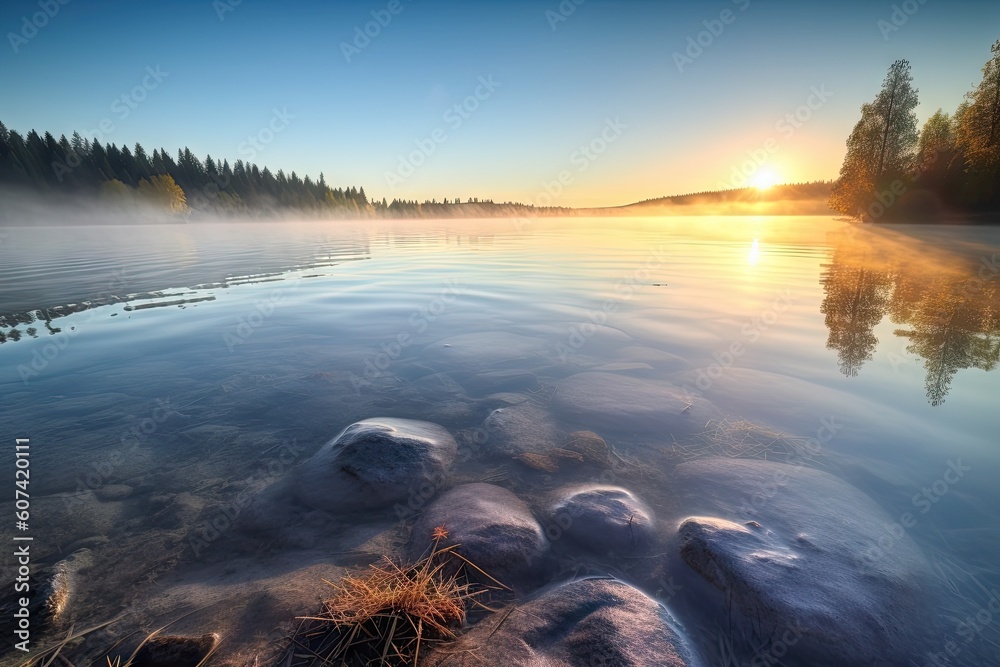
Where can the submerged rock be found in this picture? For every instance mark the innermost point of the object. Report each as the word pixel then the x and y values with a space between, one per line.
pixel 590 446
pixel 496 531
pixel 374 463
pixel 540 462
pixel 552 461
pixel 621 367
pixel 63 583
pixel 663 361
pixel 181 510
pixel 629 404
pixel 795 555
pixel 491 382
pixel 594 622
pixel 775 400
pixel 519 429
pixel 112 492
pixel 604 519
pixel 492 349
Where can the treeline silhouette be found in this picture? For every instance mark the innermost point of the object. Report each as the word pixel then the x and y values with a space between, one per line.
pixel 79 166
pixel 456 208
pixel 124 178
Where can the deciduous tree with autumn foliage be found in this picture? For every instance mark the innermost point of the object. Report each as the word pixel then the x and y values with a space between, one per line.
pixel 881 147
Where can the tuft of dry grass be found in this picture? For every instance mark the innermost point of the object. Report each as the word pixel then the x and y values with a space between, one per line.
pixel 389 614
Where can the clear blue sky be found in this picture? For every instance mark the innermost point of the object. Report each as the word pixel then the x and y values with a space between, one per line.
pixel 686 130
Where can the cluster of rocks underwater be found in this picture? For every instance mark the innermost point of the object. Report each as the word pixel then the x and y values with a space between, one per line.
pixel 788 579
pixel 718 561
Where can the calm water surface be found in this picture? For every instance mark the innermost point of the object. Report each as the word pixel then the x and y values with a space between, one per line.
pixel 216 344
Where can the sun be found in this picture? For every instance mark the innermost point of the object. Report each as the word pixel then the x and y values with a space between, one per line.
pixel 764 179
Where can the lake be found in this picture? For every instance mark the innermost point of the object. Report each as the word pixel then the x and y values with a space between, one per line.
pixel 165 373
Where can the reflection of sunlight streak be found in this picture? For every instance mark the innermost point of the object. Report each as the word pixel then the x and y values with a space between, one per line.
pixel 754 253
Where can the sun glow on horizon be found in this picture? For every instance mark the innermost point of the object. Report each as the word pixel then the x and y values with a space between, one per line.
pixel 764 179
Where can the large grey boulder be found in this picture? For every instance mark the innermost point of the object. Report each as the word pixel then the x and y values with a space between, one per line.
pixel 604 401
pixel 592 622
pixel 374 463
pixel 798 562
pixel 604 520
pixel 495 530
pixel 516 429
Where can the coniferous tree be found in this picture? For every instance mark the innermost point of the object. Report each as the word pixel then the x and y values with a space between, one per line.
pixel 77 145
pixel 143 166
pixel 123 176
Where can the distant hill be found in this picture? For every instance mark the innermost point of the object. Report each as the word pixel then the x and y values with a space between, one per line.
pixel 790 199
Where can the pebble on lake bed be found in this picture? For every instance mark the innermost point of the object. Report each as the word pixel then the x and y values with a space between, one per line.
pixel 590 446
pixel 539 462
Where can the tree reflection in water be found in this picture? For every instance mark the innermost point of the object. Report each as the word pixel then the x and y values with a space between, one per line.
pixel 945 302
